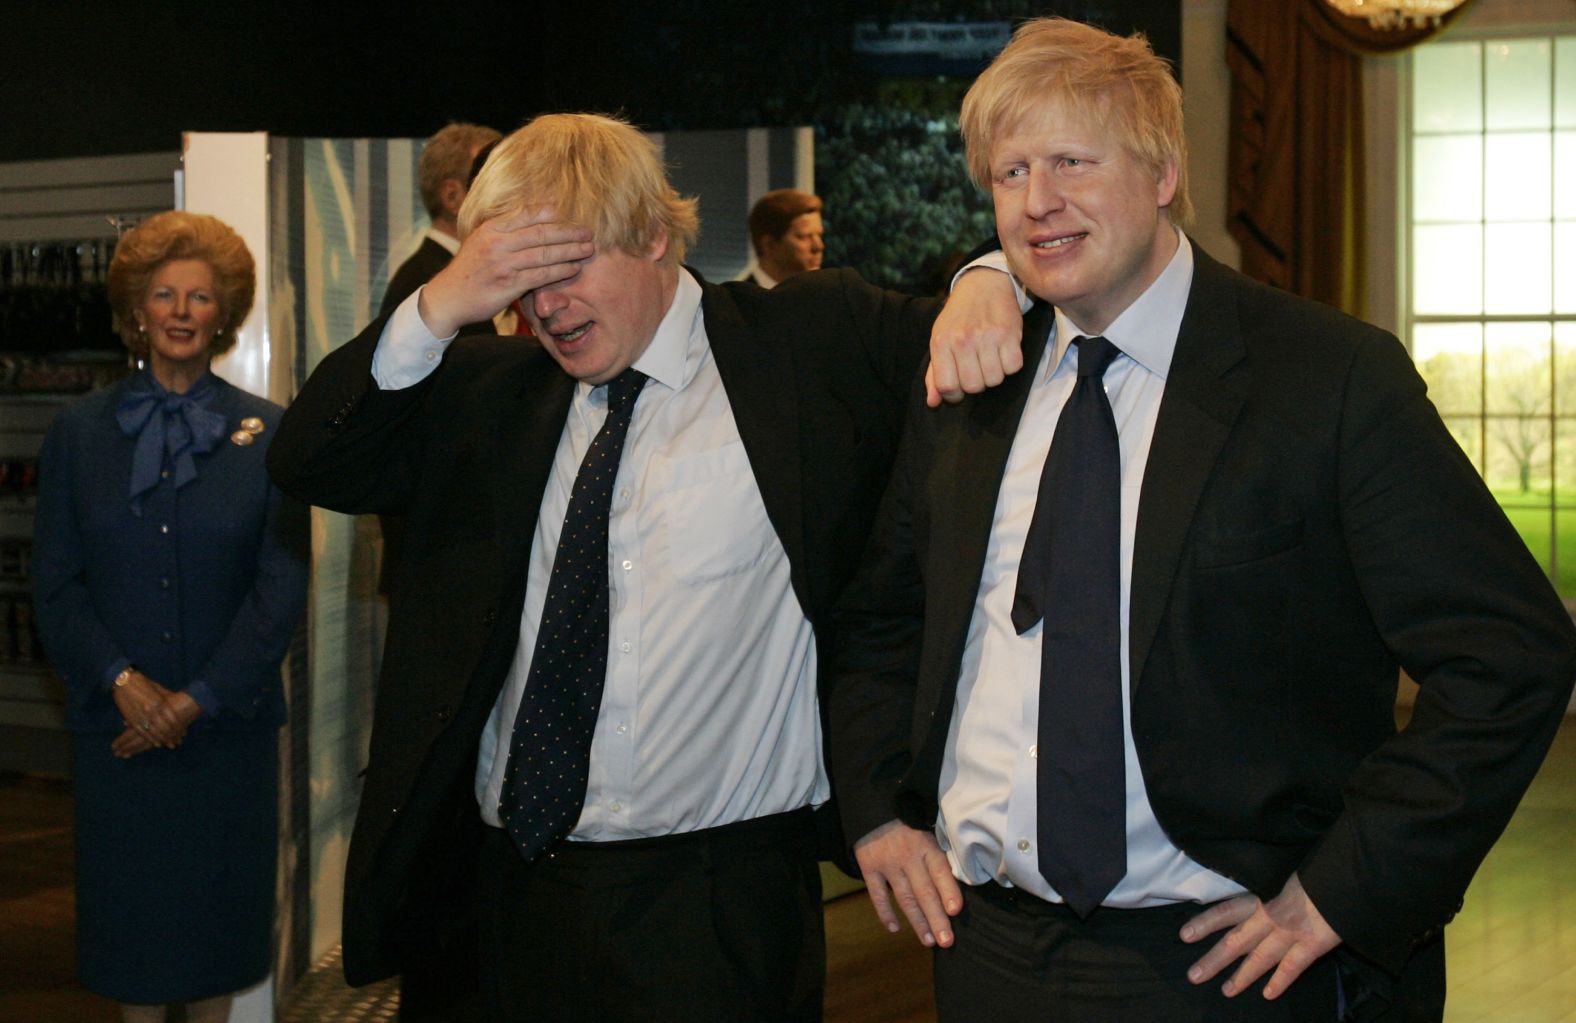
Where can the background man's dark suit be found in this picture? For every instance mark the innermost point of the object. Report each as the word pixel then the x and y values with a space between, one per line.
pixel 421 267
pixel 816 374
pixel 1306 523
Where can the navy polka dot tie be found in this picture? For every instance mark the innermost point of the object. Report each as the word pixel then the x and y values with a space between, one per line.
pixel 544 785
pixel 1070 576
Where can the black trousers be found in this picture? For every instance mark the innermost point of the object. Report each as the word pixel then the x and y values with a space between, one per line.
pixel 1018 957
pixel 717 925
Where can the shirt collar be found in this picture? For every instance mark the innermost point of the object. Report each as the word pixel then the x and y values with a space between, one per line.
pixel 1147 330
pixel 450 243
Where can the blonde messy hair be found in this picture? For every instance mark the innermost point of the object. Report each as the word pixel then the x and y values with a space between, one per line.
pixel 596 171
pixel 1104 78
pixel 180 235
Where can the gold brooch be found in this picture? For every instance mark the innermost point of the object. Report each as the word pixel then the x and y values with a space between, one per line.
pixel 241 437
pixel 252 425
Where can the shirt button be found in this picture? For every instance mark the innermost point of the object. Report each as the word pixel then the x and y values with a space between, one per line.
pixel 164 527
pixel 622 729
pixel 624 493
pixel 431 355
pixel 1023 845
pixel 628 565
pixel 1034 751
pixel 624 647
pixel 616 806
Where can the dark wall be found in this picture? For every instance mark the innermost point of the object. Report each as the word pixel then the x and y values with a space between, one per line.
pixel 88 79
pixel 81 79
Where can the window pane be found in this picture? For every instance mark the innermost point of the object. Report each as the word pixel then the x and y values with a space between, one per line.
pixel 1565 267
pixel 1468 432
pixel 1565 175
pixel 1518 465
pixel 1517 356
pixel 1565 566
pixel 1447 269
pixel 1518 177
pixel 1565 367
pixel 1447 87
pixel 1517 78
pixel 1518 263
pixel 1450 358
pixel 1447 177
pixel 1565 83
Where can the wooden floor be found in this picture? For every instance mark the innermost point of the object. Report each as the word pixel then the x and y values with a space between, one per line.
pixel 1512 951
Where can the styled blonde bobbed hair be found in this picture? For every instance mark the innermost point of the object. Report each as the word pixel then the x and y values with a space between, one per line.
pixel 180 235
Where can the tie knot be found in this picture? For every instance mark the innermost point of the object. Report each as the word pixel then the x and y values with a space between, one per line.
pixel 1095 354
pixel 623 389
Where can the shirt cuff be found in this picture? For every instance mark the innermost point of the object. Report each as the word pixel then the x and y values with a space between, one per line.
pixel 204 695
pixel 407 351
pixel 996 260
pixel 113 672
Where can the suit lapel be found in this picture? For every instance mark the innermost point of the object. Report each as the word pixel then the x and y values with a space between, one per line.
pixel 1204 393
pixel 761 382
pixel 527 439
pixel 971 450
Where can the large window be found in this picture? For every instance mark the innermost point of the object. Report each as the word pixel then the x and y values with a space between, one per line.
pixel 1492 310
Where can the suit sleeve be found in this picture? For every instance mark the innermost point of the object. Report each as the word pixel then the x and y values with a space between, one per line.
pixel 877 628
pixel 1471 617
pixel 842 317
pixel 80 645
pixel 896 335
pixel 344 444
pixel 247 659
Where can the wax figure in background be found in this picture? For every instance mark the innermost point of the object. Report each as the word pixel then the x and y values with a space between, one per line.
pixel 685 488
pixel 169 576
pixel 787 235
pixel 1173 642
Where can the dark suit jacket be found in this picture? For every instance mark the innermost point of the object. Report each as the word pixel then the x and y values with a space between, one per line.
pixel 1306 525
pixel 421 267
pixel 816 375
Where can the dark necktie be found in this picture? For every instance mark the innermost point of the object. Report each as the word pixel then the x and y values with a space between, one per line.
pixel 1070 576
pixel 544 785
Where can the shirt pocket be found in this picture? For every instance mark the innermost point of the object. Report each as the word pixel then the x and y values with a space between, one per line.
pixel 716 524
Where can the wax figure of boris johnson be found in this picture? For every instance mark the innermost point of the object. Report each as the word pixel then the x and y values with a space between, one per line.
pixel 1126 645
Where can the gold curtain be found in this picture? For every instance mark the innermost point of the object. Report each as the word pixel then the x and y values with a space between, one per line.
pixel 1295 193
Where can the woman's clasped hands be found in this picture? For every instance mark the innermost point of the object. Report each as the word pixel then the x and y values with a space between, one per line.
pixel 153 715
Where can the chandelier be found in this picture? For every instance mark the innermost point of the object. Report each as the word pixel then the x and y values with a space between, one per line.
pixel 1396 14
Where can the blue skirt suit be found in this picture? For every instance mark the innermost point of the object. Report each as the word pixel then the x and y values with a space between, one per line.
pixel 198 580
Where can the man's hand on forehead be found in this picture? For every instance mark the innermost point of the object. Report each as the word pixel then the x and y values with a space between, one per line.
pixel 499 261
